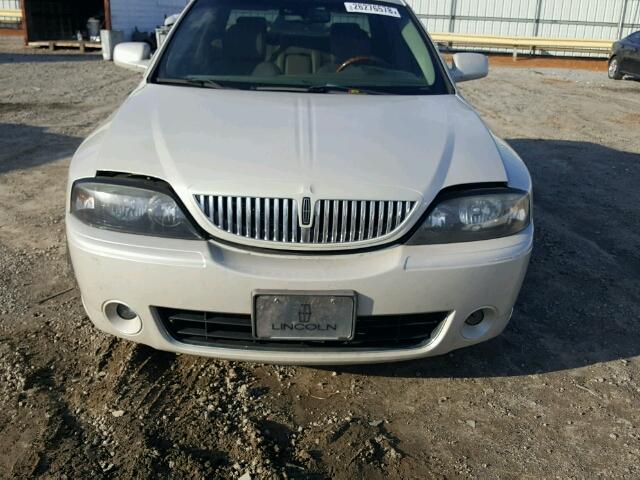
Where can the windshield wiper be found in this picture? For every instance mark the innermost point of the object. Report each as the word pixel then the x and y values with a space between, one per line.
pixel 327 88
pixel 193 82
pixel 330 87
pixel 278 88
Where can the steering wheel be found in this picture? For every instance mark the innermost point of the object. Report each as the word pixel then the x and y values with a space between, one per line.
pixel 361 59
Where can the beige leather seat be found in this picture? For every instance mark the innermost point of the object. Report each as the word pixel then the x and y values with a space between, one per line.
pixel 299 61
pixel 244 49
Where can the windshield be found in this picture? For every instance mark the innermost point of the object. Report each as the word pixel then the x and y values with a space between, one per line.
pixel 302 45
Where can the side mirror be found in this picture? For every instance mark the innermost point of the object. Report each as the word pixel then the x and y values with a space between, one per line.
pixel 469 66
pixel 132 55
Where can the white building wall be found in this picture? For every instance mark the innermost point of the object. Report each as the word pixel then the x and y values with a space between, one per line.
pixel 146 15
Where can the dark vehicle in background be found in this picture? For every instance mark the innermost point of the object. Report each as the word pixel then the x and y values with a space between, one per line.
pixel 625 58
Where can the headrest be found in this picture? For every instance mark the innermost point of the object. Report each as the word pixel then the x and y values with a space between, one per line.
pixel 245 40
pixel 349 40
pixel 258 21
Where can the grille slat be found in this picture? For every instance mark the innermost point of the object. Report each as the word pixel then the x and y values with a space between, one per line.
pixel 389 225
pixel 213 334
pixel 258 218
pixel 294 221
pixel 372 216
pixel 317 224
pixel 335 216
pixel 343 225
pixel 354 217
pixel 229 219
pixel 399 206
pixel 237 225
pixel 325 224
pixel 285 220
pixel 380 218
pixel 277 219
pixel 247 217
pixel 267 218
pixel 361 220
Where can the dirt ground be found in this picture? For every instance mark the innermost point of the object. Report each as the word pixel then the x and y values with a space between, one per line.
pixel 556 396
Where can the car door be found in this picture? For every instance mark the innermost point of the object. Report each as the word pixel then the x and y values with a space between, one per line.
pixel 633 54
pixel 624 55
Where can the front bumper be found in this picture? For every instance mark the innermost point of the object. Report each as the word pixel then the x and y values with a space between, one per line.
pixel 207 276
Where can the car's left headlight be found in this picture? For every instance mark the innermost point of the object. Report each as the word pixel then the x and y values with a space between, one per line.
pixel 130 208
pixel 475 215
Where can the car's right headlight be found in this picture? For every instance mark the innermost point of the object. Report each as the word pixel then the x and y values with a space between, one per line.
pixel 130 207
pixel 475 215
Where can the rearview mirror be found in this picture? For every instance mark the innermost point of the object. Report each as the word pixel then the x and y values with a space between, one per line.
pixel 132 55
pixel 469 66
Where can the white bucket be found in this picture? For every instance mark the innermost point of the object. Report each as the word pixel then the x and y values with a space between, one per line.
pixel 93 27
pixel 161 35
pixel 109 40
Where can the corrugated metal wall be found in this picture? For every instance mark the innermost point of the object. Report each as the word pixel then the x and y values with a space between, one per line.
pixel 9 22
pixel 575 19
pixel 10 4
pixel 145 15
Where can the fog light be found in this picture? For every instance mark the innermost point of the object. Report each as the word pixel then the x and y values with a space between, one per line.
pixel 125 312
pixel 122 317
pixel 475 318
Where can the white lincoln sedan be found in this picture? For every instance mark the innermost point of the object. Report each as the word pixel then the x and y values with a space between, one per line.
pixel 299 181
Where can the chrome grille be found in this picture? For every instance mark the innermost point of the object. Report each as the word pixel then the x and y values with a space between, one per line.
pixel 276 219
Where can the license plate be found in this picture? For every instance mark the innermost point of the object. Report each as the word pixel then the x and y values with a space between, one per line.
pixel 304 315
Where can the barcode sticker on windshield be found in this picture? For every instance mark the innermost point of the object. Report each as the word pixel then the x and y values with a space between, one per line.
pixel 372 8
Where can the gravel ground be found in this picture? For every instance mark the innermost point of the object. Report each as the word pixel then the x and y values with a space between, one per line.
pixel 556 396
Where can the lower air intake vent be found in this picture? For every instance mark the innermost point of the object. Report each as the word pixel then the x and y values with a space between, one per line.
pixel 235 331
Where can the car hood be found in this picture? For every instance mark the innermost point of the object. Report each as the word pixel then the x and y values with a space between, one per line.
pixel 278 144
